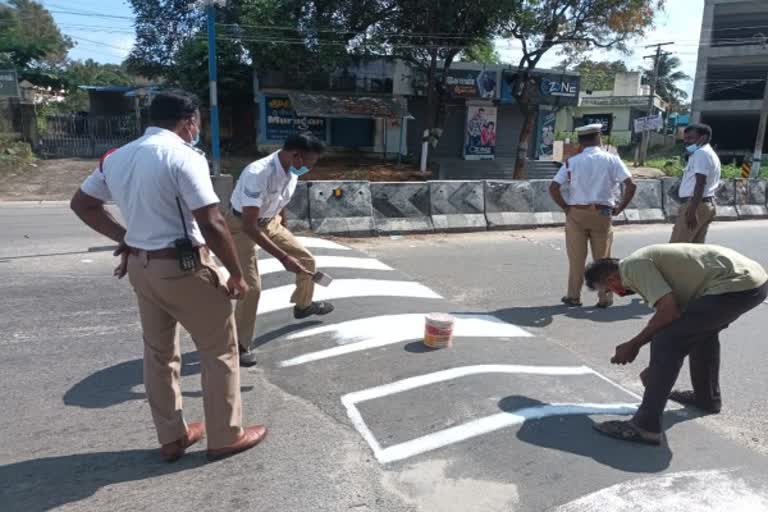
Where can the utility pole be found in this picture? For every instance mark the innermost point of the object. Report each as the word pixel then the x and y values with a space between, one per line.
pixel 758 155
pixel 651 97
pixel 214 97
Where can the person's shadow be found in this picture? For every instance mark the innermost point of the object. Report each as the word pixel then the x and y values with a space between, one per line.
pixel 574 434
pixel 541 316
pixel 115 385
pixel 38 485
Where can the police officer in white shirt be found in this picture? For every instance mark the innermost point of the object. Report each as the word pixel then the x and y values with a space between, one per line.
pixel 262 192
pixel 592 177
pixel 701 180
pixel 162 186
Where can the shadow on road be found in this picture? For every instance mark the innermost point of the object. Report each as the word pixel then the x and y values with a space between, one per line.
pixel 283 331
pixel 574 434
pixel 115 385
pixel 45 484
pixel 541 316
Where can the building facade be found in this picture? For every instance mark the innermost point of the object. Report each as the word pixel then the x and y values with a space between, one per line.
pixel 731 73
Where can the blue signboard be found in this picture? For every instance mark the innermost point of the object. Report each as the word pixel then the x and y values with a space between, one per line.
pixel 550 89
pixel 280 120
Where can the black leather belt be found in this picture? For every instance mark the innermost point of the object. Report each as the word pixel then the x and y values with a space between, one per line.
pixel 703 199
pixel 262 222
pixel 236 213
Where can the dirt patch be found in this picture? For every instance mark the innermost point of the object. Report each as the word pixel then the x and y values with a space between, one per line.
pixel 47 180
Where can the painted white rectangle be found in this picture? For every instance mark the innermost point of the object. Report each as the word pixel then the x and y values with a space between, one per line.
pixel 320 243
pixel 271 265
pixel 474 428
pixel 379 331
pixel 279 298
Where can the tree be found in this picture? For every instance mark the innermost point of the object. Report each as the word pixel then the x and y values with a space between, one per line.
pixel 599 75
pixel 668 76
pixel 572 27
pixel 89 72
pixel 483 52
pixel 431 34
pixel 29 38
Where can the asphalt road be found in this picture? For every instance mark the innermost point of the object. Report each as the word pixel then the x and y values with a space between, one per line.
pixel 362 417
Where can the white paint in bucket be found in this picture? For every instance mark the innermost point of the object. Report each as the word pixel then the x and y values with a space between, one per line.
pixel 438 330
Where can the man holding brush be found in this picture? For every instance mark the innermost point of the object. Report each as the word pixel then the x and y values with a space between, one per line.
pixel 256 219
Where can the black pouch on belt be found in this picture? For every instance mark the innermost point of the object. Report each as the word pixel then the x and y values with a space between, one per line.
pixel 185 251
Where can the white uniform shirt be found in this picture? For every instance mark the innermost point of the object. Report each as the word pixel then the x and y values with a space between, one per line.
pixel 703 161
pixel 594 176
pixel 144 178
pixel 266 185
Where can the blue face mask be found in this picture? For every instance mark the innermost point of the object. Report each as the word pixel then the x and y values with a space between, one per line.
pixel 299 172
pixel 196 139
pixel 692 148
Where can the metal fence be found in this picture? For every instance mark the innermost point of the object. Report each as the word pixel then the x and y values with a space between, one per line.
pixel 85 136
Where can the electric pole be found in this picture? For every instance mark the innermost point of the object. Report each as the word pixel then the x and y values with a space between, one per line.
pixel 214 97
pixel 758 155
pixel 651 97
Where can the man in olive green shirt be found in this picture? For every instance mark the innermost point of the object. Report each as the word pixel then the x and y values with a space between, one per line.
pixel 697 291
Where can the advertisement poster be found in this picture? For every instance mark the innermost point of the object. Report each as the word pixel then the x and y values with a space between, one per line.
pixel 604 119
pixel 480 136
pixel 470 83
pixel 550 89
pixel 546 139
pixel 281 120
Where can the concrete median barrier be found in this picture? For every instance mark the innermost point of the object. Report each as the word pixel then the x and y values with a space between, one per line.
pixel 341 208
pixel 725 201
pixel 457 205
pixel 751 199
pixel 509 204
pixel 401 207
pixel 647 205
pixel 546 211
pixel 297 211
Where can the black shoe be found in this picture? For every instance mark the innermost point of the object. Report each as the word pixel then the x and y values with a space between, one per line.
pixel 689 398
pixel 574 303
pixel 603 305
pixel 317 308
pixel 247 358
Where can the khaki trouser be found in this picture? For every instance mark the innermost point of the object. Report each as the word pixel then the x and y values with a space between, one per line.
pixel 582 226
pixel 168 296
pixel 681 233
pixel 247 251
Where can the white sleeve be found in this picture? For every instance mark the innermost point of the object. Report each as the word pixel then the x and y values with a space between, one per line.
pixel 562 175
pixel 254 189
pixel 619 170
pixel 701 163
pixel 194 182
pixel 95 186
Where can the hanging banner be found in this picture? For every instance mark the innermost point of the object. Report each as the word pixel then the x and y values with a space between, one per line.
pixel 480 135
pixel 282 121
pixel 545 148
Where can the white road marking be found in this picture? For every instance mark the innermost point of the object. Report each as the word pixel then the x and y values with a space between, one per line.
pixel 276 299
pixel 271 265
pixel 685 491
pixel 476 427
pixel 319 243
pixel 379 331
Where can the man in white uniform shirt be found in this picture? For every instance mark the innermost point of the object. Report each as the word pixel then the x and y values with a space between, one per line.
pixel 701 180
pixel 162 186
pixel 262 192
pixel 593 177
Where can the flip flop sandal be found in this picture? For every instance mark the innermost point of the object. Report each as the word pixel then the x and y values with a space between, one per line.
pixel 625 431
pixel 570 302
pixel 689 398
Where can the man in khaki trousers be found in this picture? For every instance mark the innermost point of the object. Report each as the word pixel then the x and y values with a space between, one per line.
pixel 261 194
pixel 161 185
pixel 700 181
pixel 592 177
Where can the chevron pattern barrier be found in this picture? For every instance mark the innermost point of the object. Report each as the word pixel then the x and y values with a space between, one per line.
pixel 401 207
pixel 457 205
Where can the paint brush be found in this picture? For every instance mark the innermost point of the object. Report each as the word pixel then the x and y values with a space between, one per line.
pixel 322 278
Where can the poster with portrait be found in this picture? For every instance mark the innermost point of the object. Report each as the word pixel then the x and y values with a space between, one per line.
pixel 545 147
pixel 480 133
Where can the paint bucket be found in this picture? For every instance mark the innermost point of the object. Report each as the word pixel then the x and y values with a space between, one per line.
pixel 438 330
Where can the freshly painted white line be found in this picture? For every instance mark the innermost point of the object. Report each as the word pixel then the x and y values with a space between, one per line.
pixel 379 331
pixel 488 424
pixel 319 243
pixel 276 299
pixel 271 265
pixel 462 371
pixel 472 428
pixel 686 491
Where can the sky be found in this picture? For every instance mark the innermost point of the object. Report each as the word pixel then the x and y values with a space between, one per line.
pixel 109 40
